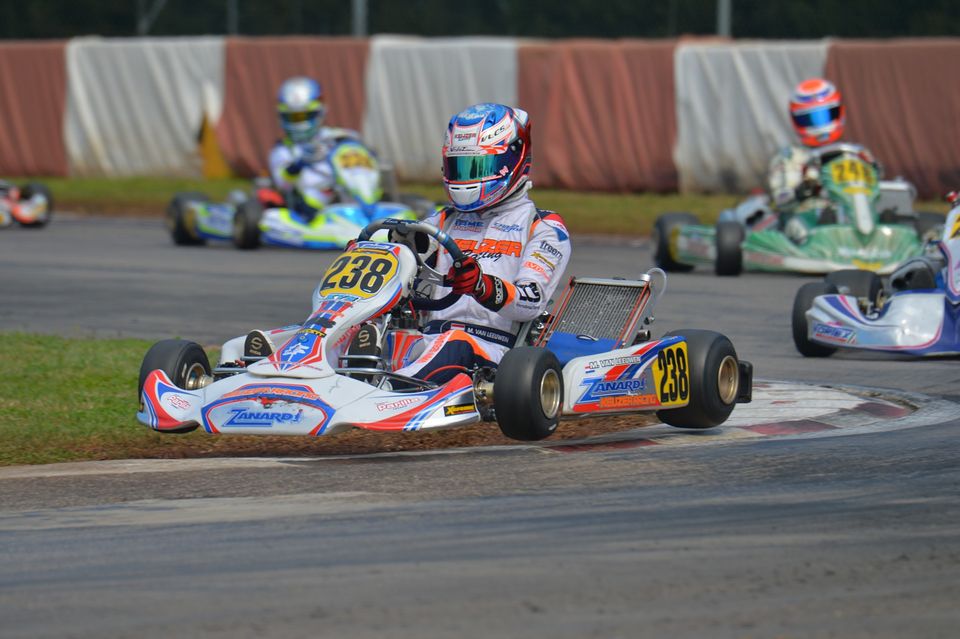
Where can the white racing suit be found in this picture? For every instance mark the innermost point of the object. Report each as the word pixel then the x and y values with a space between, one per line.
pixel 526 250
pixel 310 181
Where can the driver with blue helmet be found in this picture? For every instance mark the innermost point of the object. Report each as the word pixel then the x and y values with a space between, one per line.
pixel 516 253
pixel 298 162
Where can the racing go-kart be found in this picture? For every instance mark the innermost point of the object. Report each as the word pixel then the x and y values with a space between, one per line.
pixel 30 206
pixel 858 221
pixel 916 311
pixel 267 217
pixel 336 370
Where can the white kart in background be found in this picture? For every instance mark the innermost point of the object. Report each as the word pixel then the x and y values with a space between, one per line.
pixel 915 311
pixel 335 371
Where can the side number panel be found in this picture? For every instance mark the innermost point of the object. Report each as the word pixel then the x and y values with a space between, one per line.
pixel 671 375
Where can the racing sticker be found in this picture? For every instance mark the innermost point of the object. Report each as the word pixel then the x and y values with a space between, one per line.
pixel 671 375
pixel 361 272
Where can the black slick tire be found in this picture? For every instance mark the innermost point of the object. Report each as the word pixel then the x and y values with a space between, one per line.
pixel 528 393
pixel 663 229
pixel 32 189
pixel 180 221
pixel 714 378
pixel 729 239
pixel 184 362
pixel 246 225
pixel 798 320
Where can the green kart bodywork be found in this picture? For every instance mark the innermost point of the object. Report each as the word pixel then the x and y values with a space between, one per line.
pixel 839 229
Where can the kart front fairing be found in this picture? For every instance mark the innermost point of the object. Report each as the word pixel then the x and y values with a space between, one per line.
pixel 298 390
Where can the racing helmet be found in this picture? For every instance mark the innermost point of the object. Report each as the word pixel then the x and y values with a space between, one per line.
pixel 817 112
pixel 301 109
pixel 486 155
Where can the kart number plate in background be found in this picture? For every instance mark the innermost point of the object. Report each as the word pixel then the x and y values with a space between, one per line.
pixel 671 375
pixel 360 272
pixel 856 172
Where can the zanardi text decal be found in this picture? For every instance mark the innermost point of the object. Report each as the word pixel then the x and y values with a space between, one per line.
pixel 243 417
pixel 598 387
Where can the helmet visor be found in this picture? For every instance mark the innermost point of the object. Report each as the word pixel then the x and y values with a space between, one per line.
pixel 296 117
pixel 818 117
pixel 477 168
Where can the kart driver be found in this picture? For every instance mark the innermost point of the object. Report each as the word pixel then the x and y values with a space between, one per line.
pixel 516 253
pixel 818 115
pixel 298 162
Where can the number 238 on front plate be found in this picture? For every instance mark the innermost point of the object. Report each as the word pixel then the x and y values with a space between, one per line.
pixel 361 273
pixel 671 374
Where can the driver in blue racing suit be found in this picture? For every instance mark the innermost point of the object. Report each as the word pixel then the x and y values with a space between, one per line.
pixel 298 162
pixel 516 253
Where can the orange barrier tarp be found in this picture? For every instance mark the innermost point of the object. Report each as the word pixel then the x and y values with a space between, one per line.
pixel 903 103
pixel 255 68
pixel 603 113
pixel 33 94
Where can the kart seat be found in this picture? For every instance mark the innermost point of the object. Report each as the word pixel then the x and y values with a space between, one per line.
pixel 918 273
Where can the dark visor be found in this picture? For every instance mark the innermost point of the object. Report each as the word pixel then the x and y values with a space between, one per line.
pixel 819 117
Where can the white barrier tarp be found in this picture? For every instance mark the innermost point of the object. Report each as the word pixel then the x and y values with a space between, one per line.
pixel 732 109
pixel 135 106
pixel 414 85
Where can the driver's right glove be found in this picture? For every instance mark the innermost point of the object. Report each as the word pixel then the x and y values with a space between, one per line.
pixel 467 278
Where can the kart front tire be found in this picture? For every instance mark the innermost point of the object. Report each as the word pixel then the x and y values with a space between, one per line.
pixel 32 189
pixel 663 228
pixel 714 381
pixel 528 393
pixel 184 362
pixel 729 239
pixel 180 220
pixel 801 304
pixel 246 225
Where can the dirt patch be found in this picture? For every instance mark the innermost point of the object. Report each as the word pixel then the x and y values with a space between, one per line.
pixel 355 442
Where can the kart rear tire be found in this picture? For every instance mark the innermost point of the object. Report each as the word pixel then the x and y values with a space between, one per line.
pixel 859 283
pixel 36 188
pixel 528 393
pixel 182 227
pixel 246 225
pixel 801 304
pixel 929 225
pixel 714 381
pixel 663 228
pixel 184 362
pixel 729 239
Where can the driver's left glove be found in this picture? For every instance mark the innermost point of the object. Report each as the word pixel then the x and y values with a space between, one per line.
pixel 467 278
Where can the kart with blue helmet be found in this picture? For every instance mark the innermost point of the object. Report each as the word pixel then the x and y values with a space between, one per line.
pixel 30 205
pixel 335 371
pixel 915 311
pixel 325 186
pixel 827 208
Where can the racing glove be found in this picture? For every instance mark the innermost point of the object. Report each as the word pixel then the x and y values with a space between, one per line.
pixel 467 278
pixel 295 167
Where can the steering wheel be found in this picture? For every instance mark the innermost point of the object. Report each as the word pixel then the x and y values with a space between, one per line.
pixel 406 229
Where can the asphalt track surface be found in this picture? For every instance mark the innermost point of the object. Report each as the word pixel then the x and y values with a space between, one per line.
pixel 852 536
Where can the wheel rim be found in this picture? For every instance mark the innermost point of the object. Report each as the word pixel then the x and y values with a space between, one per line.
pixel 195 377
pixel 550 391
pixel 728 379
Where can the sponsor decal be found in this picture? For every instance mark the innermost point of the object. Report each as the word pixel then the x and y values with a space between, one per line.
pixel 177 401
pixel 873 254
pixel 533 266
pixel 473 226
pixel 552 250
pixel 628 401
pixel 458 409
pixel 528 292
pixel 597 387
pixel 540 257
pixel 501 131
pixel 460 137
pixel 840 334
pixel 490 248
pixel 244 417
pixel 400 403
pixel 555 222
pixel 507 228
pixel 280 391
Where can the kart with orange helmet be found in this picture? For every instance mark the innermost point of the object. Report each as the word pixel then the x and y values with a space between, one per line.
pixel 832 212
pixel 915 311
pixel 850 220
pixel 336 370
pixel 30 205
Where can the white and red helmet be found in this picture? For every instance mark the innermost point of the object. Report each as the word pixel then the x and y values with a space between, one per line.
pixel 486 155
pixel 817 112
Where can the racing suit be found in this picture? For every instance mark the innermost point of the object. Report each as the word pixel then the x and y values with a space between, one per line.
pixel 302 171
pixel 526 251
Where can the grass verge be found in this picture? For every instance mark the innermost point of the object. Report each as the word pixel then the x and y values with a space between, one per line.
pixel 75 399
